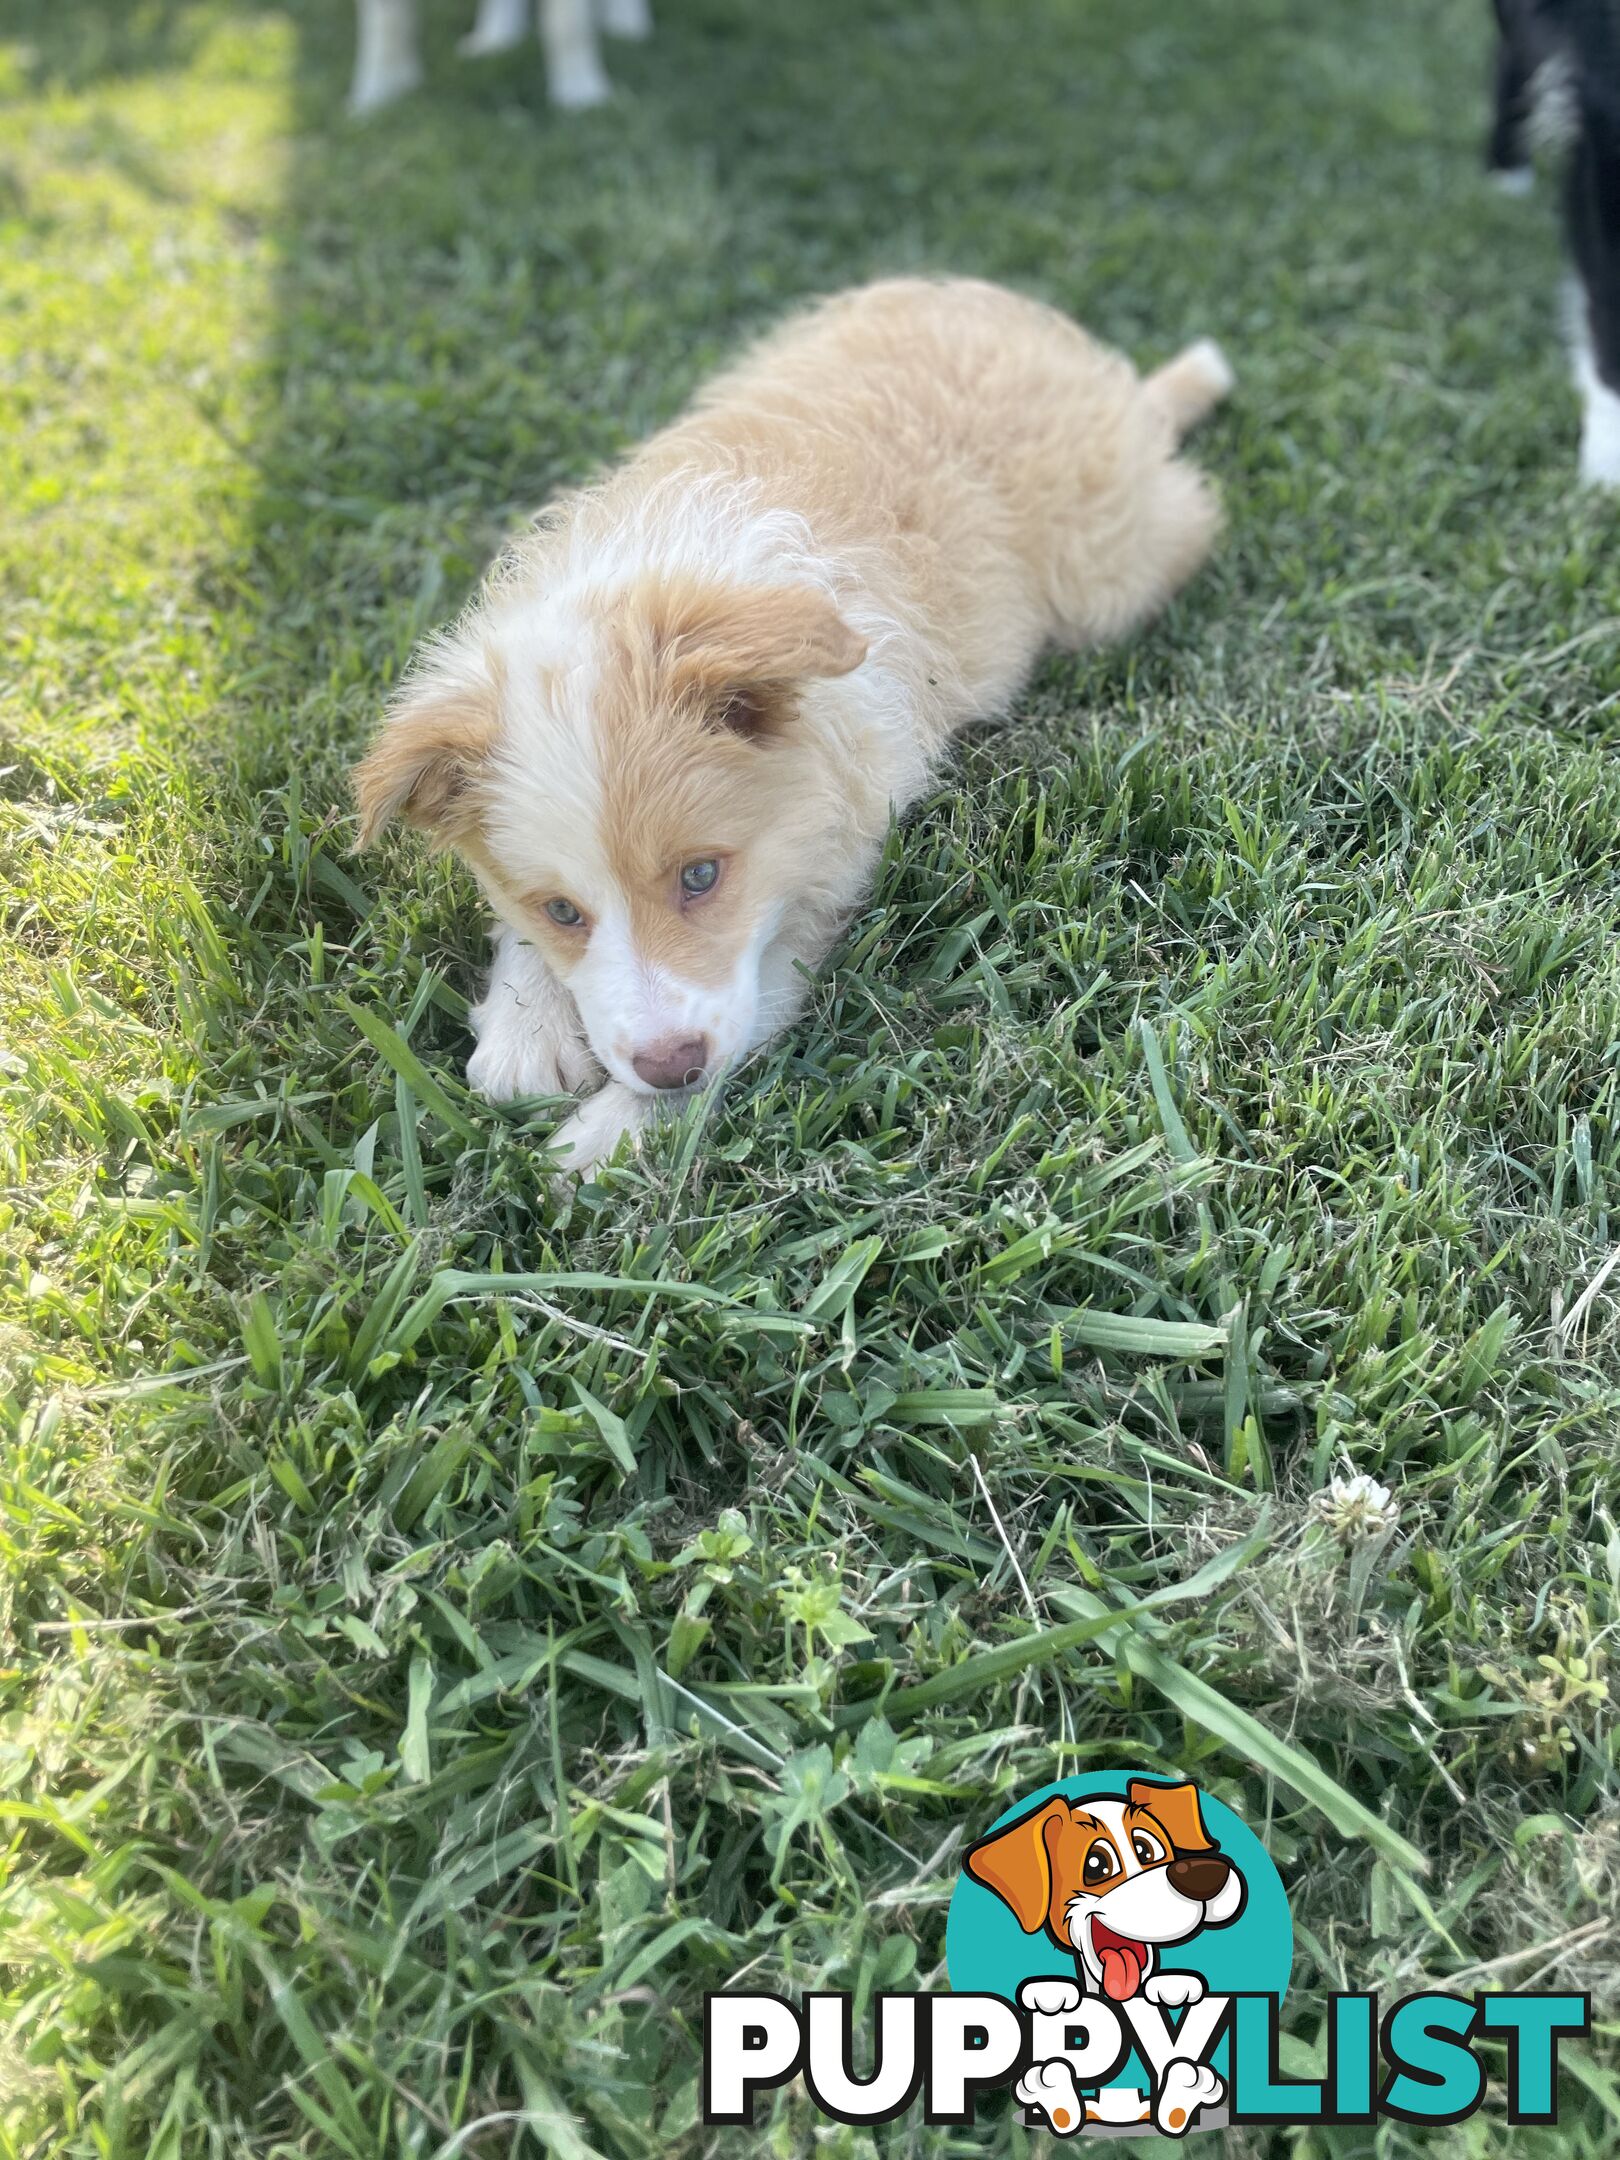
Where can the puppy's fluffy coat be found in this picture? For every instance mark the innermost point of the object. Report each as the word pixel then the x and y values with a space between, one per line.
pixel 669 733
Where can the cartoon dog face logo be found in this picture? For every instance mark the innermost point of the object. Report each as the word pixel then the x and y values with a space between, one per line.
pixel 1112 1881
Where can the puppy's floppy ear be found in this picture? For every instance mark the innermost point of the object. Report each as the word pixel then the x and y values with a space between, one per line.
pixel 1176 1808
pixel 742 649
pixel 1016 1863
pixel 428 751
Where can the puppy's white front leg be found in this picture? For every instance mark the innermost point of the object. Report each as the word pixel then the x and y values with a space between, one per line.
pixel 385 57
pixel 574 68
pixel 529 1038
pixel 602 1120
pixel 501 24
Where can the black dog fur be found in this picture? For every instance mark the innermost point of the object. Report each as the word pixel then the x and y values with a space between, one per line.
pixel 1558 71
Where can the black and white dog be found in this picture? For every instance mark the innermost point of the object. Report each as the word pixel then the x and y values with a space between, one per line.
pixel 1558 79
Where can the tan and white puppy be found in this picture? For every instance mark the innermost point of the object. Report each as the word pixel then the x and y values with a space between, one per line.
pixel 387 55
pixel 669 734
pixel 1113 1882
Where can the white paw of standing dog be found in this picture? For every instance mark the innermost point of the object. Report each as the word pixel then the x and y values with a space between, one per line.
pixel 1183 2090
pixel 579 82
pixel 501 25
pixel 1600 436
pixel 1050 2087
pixel 625 18
pixel 1174 1990
pixel 382 81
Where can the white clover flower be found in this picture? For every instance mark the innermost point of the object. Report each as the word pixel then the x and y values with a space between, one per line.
pixel 1356 1507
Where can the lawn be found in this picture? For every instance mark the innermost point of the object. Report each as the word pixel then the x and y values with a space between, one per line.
pixel 449 1622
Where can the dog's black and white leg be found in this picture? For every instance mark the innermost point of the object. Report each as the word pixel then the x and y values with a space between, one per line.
pixel 529 1038
pixel 1594 227
pixel 574 71
pixel 500 26
pixel 1518 55
pixel 387 63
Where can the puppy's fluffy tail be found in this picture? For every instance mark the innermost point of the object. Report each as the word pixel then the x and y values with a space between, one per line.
pixel 1191 384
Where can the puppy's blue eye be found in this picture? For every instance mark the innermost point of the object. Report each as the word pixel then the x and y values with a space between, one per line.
pixel 565 913
pixel 700 877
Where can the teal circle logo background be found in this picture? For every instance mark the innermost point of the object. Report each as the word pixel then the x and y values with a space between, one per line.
pixel 987 1952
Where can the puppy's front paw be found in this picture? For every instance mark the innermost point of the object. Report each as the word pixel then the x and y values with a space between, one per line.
pixel 509 1062
pixel 526 1049
pixel 1173 1990
pixel 602 1120
pixel 1185 2088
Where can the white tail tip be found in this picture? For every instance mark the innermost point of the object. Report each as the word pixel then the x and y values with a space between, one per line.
pixel 1191 384
pixel 1207 358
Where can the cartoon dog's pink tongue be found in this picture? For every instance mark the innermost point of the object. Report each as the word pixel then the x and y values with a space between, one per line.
pixel 1122 1962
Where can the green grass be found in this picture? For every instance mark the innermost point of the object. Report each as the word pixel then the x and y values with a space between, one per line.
pixel 416 1688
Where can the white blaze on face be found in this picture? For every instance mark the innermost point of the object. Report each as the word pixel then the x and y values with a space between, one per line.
pixel 547 829
pixel 544 837
pixel 628 1003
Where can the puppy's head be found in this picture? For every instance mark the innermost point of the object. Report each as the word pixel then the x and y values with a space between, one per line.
pixel 1111 1880
pixel 623 768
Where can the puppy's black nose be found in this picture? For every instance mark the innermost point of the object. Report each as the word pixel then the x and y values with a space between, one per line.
pixel 1199 1875
pixel 675 1061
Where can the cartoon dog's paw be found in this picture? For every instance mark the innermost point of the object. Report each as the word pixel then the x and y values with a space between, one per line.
pixel 1174 1990
pixel 1050 2087
pixel 1050 1998
pixel 1184 2089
